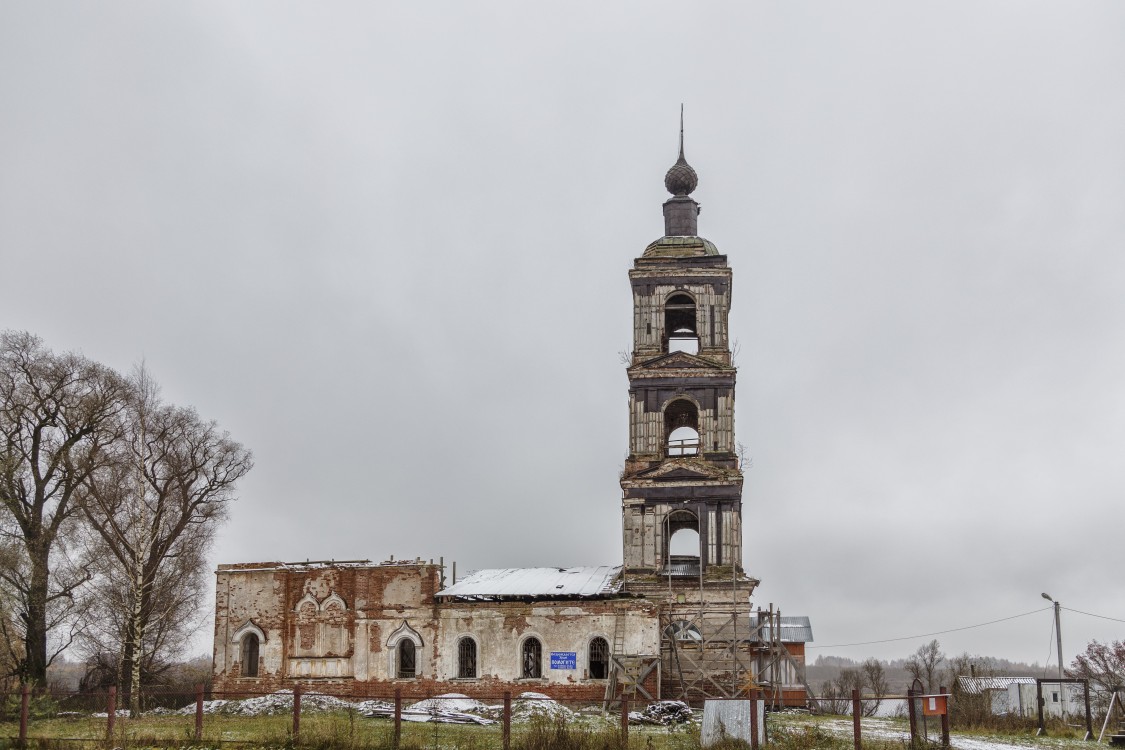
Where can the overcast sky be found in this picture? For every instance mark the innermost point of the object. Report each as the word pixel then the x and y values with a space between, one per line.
pixel 386 246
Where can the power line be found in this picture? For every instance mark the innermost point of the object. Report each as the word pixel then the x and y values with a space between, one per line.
pixel 937 632
pixel 1091 614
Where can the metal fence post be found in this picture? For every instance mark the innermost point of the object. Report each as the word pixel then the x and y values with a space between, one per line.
pixel 296 713
pixel 624 721
pixel 199 712
pixel 398 717
pixel 856 711
pixel 111 712
pixel 23 714
pixel 945 717
pixel 507 729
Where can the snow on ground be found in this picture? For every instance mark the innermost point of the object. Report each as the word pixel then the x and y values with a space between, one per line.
pixel 892 730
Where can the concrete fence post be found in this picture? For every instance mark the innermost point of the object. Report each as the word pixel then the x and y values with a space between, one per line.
pixel 24 697
pixel 754 740
pixel 945 718
pixel 111 713
pixel 507 719
pixel 199 712
pixel 857 711
pixel 297 713
pixel 913 717
pixel 398 717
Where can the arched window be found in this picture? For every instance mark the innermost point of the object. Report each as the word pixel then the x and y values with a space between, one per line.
pixel 680 332
pixel 407 667
pixel 531 658
pixel 599 658
pixel 681 426
pixel 466 658
pixel 249 654
pixel 683 631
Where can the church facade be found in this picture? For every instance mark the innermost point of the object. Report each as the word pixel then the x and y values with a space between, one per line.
pixel 673 620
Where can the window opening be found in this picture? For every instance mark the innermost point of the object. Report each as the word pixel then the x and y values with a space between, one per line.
pixel 682 549
pixel 599 659
pixel 681 425
pixel 532 658
pixel 250 655
pixel 466 658
pixel 682 631
pixel 680 332
pixel 684 543
pixel 407 669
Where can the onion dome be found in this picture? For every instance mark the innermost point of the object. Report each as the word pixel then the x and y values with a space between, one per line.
pixel 681 179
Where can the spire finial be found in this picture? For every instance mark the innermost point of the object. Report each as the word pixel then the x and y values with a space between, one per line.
pixel 681 131
pixel 681 178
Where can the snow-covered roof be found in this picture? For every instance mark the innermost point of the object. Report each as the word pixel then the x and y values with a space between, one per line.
pixel 541 583
pixel 977 685
pixel 794 629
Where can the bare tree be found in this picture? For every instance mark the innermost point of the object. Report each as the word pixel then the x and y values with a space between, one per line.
pixel 58 418
pixel 1103 664
pixel 925 664
pixel 875 683
pixel 155 507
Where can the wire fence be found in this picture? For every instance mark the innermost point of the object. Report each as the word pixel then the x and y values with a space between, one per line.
pixel 380 718
pixel 385 717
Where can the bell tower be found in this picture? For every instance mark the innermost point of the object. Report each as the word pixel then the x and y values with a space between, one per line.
pixel 682 486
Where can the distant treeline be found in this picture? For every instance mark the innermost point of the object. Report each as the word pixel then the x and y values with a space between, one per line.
pixel 827 668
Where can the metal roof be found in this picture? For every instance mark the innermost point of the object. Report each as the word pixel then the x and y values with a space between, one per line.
pixel 977 685
pixel 544 583
pixel 794 629
pixel 681 568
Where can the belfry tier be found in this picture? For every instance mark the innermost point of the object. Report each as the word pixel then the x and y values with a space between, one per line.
pixel 681 484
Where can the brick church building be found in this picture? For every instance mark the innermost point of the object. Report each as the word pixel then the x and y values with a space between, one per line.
pixel 673 620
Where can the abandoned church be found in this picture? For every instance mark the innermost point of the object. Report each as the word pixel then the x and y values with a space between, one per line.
pixel 660 624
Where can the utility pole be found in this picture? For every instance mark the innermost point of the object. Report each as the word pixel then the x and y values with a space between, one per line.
pixel 1058 631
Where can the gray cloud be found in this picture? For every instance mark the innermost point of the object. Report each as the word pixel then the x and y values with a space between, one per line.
pixel 386 246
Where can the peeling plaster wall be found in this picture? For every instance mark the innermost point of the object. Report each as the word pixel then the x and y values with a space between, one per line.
pixel 500 628
pixel 337 628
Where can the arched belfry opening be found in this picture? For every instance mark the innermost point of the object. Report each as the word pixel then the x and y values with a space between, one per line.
pixel 681 428
pixel 681 332
pixel 681 553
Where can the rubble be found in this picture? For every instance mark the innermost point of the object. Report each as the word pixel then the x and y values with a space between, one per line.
pixel 450 708
pixel 280 702
pixel 663 713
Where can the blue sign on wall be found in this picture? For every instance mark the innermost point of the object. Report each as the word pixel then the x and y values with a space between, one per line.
pixel 564 660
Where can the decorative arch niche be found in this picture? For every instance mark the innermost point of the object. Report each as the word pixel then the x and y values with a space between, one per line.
pixel 404 651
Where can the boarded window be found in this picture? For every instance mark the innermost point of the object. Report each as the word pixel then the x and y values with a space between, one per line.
pixel 599 659
pixel 306 626
pixel 531 658
pixel 466 658
pixel 407 669
pixel 250 655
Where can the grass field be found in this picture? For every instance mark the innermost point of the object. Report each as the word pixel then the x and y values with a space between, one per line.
pixel 349 731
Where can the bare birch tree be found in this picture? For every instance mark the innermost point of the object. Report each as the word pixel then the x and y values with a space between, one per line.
pixel 156 507
pixel 58 419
